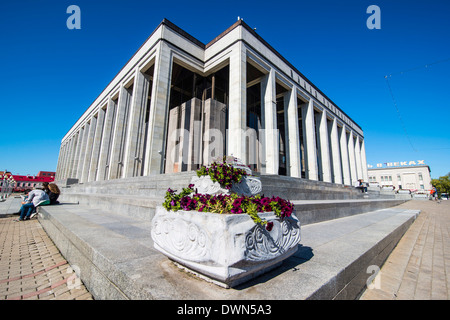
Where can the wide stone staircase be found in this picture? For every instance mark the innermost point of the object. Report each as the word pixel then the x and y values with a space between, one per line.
pixel 104 227
pixel 315 200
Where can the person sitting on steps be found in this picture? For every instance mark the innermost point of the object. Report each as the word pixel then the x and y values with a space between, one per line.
pixel 53 193
pixel 35 198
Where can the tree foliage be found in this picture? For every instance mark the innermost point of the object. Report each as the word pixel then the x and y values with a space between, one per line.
pixel 442 184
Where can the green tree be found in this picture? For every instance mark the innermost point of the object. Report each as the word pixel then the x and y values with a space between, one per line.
pixel 442 184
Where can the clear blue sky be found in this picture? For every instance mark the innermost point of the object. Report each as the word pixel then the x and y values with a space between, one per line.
pixel 49 75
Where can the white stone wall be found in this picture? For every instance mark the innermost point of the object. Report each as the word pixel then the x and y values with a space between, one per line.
pixel 407 177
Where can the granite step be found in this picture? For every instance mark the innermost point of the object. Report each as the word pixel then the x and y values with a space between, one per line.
pixel 116 258
pixel 307 211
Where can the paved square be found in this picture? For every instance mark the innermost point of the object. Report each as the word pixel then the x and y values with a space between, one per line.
pixel 31 266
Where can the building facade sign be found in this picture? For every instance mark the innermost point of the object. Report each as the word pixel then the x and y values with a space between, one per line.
pixel 397 164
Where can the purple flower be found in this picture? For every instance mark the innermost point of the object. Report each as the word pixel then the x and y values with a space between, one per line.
pixel 269 226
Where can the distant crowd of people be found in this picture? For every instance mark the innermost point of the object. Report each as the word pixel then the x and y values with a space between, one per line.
pixel 44 195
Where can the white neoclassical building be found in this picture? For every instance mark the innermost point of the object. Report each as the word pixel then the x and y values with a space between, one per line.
pixel 408 175
pixel 177 103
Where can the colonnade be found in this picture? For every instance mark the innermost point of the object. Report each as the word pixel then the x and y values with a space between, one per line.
pixel 321 142
pixel 124 133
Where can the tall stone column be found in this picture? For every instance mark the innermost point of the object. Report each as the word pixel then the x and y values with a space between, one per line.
pixel 68 162
pixel 335 152
pixel 237 110
pixel 344 157
pixel 88 153
pixel 351 157
pixel 194 150
pixel 120 135
pixel 293 135
pixel 136 126
pixel 98 136
pixel 269 119
pixel 74 156
pixel 82 152
pixel 310 141
pixel 172 149
pixel 364 161
pixel 185 127
pixel 159 111
pixel 106 141
pixel 324 147
pixel 63 160
pixel 214 117
pixel 359 172
pixel 67 158
pixel 60 161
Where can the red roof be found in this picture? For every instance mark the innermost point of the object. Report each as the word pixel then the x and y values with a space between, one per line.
pixel 18 178
pixel 46 173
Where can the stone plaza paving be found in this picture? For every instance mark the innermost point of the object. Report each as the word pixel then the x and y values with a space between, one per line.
pixel 31 267
pixel 419 266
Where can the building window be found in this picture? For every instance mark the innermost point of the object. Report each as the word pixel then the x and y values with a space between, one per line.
pixel 420 177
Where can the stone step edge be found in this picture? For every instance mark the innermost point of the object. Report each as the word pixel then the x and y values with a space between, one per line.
pixel 375 256
pixel 295 202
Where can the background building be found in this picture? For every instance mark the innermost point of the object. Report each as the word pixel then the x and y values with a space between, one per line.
pixel 401 175
pixel 178 103
pixel 21 183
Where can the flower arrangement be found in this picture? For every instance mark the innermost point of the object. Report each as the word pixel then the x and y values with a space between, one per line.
pixel 223 173
pixel 188 199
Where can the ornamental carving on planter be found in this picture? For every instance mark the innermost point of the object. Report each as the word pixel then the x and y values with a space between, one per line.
pixel 222 228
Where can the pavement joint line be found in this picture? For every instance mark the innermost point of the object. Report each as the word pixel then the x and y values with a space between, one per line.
pixel 35 273
pixel 35 293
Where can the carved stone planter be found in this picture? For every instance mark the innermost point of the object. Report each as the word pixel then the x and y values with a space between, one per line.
pixel 226 248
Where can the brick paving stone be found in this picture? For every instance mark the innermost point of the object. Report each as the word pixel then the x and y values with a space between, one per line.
pixel 420 263
pixel 31 266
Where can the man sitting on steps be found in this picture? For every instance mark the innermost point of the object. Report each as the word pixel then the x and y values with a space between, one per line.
pixel 35 198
